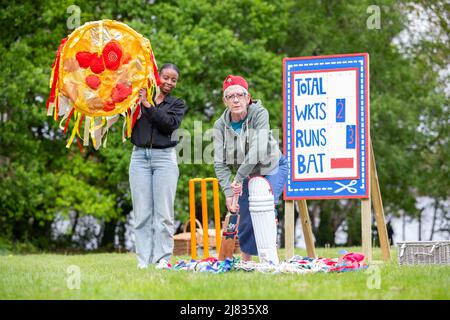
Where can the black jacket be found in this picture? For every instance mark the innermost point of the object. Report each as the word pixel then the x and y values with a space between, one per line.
pixel 155 126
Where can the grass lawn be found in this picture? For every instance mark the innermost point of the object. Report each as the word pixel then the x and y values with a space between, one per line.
pixel 115 276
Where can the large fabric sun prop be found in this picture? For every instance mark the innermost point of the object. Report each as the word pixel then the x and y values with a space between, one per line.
pixel 96 77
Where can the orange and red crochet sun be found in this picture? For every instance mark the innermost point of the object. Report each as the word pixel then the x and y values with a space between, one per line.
pixel 96 77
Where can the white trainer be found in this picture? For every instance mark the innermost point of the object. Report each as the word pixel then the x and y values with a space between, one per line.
pixel 163 264
pixel 142 266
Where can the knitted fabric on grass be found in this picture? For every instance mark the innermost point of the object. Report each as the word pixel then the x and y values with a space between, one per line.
pixel 297 264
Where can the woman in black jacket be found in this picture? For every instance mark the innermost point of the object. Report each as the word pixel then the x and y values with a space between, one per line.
pixel 154 171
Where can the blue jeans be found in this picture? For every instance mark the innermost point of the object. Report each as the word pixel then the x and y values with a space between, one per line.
pixel 277 179
pixel 153 181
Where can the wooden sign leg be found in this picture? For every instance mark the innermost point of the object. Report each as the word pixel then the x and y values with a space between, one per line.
pixel 289 226
pixel 307 230
pixel 366 229
pixel 378 208
pixel 366 218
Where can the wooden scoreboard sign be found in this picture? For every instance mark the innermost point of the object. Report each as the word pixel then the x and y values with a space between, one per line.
pixel 326 126
pixel 326 135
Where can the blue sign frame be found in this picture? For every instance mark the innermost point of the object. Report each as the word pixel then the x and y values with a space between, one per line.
pixel 330 187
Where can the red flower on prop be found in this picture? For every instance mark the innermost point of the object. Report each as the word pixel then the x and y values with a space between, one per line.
pixel 109 106
pixel 120 92
pixel 84 59
pixel 93 82
pixel 97 65
pixel 112 54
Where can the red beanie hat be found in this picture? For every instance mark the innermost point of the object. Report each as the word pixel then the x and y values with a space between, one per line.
pixel 234 80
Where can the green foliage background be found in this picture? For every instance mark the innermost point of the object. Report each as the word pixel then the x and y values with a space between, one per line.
pixel 208 40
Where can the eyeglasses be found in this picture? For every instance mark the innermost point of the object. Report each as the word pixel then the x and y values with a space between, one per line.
pixel 240 96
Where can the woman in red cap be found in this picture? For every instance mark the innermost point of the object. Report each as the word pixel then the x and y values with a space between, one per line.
pixel 243 141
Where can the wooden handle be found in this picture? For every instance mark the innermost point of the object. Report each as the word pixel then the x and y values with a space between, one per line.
pixel 234 203
pixel 199 225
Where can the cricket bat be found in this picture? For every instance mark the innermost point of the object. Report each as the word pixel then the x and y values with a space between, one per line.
pixel 229 231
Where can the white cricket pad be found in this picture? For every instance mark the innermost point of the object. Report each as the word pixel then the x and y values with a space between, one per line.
pixel 262 212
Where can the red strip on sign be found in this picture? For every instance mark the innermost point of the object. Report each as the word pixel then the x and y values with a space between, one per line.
pixel 341 163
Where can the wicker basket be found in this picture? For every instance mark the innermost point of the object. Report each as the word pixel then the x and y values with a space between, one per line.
pixel 182 241
pixel 424 252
